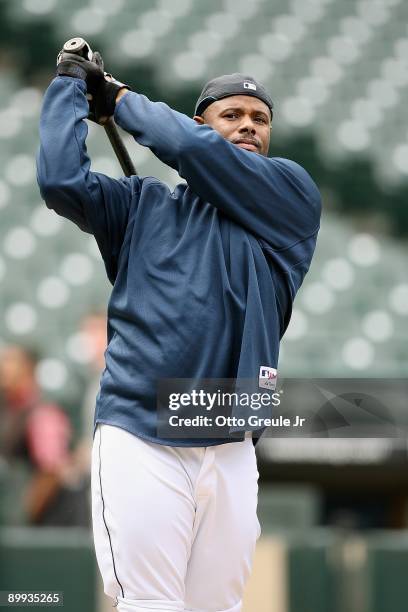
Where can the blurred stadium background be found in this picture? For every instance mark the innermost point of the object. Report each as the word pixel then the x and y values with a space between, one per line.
pixel 335 533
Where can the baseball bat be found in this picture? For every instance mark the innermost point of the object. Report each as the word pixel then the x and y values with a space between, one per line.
pixel 119 147
pixel 81 47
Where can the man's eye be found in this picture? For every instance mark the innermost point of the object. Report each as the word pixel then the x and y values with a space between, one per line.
pixel 231 115
pixel 260 120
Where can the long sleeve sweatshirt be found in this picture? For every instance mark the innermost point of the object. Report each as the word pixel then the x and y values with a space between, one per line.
pixel 204 276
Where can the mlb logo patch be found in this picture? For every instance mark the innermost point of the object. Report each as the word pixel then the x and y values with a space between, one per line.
pixel 267 377
pixel 249 85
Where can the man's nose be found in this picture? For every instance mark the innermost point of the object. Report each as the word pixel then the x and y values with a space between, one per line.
pixel 247 125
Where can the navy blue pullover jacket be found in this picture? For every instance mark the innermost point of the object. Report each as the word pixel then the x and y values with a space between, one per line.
pixel 203 277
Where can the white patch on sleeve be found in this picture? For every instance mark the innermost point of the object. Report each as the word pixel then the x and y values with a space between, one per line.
pixel 267 377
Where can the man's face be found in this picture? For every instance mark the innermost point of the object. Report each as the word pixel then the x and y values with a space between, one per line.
pixel 243 120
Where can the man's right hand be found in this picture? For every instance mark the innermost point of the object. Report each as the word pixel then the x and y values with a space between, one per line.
pixel 102 88
pixel 74 65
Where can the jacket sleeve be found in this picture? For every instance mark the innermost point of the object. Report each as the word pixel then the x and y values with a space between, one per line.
pixel 96 203
pixel 274 198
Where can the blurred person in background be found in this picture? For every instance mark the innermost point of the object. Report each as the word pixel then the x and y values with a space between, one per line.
pixel 93 329
pixel 94 337
pixel 36 433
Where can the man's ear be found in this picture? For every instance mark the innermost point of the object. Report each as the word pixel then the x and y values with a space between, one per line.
pixel 198 119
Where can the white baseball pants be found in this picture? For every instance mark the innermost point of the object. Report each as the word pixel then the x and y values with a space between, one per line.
pixel 174 528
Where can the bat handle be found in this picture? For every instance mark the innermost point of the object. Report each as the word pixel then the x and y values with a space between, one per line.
pixel 119 148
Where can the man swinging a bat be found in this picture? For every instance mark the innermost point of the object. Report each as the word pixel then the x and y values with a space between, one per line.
pixel 203 278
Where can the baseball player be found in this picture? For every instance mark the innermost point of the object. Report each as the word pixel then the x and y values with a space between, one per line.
pixel 203 278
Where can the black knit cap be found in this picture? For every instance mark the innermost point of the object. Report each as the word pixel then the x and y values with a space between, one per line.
pixel 231 85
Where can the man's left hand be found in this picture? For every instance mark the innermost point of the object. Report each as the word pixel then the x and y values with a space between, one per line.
pixel 103 102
